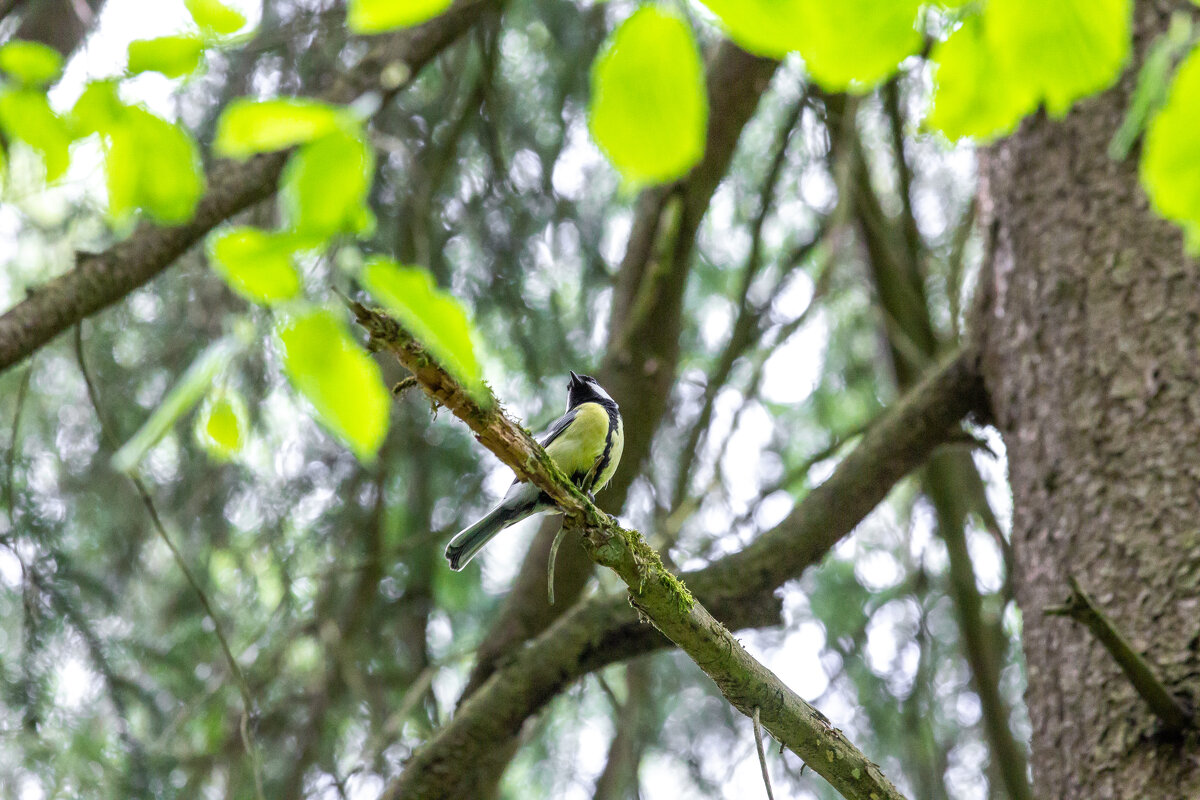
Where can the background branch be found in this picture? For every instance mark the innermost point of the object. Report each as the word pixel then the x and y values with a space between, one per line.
pixel 101 279
pixel 657 594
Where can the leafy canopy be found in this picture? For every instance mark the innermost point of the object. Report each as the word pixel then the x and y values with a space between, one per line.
pixel 993 62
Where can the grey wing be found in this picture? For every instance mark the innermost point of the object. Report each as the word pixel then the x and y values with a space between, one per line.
pixel 557 427
pixel 553 432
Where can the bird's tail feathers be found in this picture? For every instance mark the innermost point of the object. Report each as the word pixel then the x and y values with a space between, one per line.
pixel 469 541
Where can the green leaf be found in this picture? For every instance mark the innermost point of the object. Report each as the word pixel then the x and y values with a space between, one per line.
pixel 222 424
pixel 974 96
pixel 436 318
pixel 379 16
pixel 250 126
pixel 150 164
pixel 338 378
pixel 153 165
pixel 25 114
pixel 173 56
pixel 1061 51
pixel 256 264
pixel 1171 156
pixel 850 44
pixel 215 17
pixel 325 186
pixel 765 27
pixel 31 63
pixel 182 397
pixel 1151 90
pixel 98 108
pixel 649 109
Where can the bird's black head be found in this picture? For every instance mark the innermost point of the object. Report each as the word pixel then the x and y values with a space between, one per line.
pixel 585 389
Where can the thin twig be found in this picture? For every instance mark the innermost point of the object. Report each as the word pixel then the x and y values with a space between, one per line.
pixel 9 487
pixel 558 537
pixel 762 754
pixel 748 320
pixel 160 529
pixel 1137 669
pixel 11 498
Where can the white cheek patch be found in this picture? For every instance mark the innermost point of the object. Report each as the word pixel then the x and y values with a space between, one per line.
pixel 599 390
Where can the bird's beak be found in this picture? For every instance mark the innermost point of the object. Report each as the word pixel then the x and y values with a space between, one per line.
pixel 575 378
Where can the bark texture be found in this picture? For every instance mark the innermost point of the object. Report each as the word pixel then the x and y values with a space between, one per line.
pixel 1091 362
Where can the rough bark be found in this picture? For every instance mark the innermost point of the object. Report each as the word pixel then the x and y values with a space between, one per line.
pixel 1091 360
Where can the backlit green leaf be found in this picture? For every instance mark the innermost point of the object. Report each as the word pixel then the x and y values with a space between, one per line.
pixel 846 44
pixel 766 27
pixel 1062 51
pixel 1153 80
pixel 222 424
pixel 974 97
pixel 325 186
pixel 215 17
pixel 250 126
pixel 31 63
pixel 436 318
pixel 173 56
pixel 377 16
pixel 1171 156
pixel 649 109
pixel 98 108
pixel 153 165
pixel 26 115
pixel 182 397
pixel 150 164
pixel 256 264
pixel 337 376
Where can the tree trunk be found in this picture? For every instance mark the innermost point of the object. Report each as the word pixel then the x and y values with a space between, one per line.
pixel 1090 356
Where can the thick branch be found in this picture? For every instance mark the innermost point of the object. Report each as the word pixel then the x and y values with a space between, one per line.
pixel 101 279
pixel 737 589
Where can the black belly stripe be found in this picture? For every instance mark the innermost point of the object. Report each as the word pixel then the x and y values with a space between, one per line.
pixel 602 463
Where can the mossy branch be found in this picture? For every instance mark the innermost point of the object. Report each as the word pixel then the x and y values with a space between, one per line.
pixel 658 594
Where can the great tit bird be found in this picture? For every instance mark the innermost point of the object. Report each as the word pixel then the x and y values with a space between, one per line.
pixel 585 443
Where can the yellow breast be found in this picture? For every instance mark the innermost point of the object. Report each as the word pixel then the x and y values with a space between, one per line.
pixel 578 447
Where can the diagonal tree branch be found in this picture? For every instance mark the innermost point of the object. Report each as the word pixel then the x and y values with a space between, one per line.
pixel 101 279
pixel 656 593
pixel 739 590
pixel 642 354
